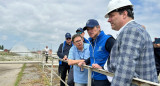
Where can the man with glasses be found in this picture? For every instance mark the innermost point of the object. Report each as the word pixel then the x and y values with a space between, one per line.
pixel 81 32
pixel 63 54
pixel 78 53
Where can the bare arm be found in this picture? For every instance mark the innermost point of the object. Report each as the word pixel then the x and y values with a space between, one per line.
pixel 72 62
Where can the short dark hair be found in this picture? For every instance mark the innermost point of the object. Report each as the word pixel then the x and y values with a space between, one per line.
pixel 129 9
pixel 76 35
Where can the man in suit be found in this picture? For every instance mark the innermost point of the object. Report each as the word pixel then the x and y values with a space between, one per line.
pixel 132 54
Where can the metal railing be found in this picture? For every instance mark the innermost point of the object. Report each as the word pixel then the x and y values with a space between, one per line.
pixel 50 68
pixel 137 81
pixel 41 61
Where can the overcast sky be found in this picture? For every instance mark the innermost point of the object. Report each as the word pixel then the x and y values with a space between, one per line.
pixel 37 23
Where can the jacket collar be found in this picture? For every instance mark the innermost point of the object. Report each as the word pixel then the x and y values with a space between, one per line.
pixel 84 48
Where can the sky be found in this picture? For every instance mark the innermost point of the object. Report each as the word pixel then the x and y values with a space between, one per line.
pixel 37 23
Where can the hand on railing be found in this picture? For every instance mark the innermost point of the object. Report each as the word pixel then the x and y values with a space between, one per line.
pixel 80 64
pixel 96 66
pixel 65 57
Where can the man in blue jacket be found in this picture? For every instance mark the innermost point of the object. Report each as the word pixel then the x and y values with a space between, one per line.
pixel 63 52
pixel 100 48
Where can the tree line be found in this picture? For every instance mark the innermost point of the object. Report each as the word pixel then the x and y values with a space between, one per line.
pixel 1 47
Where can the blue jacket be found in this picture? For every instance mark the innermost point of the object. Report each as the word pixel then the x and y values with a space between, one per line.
pixel 98 53
pixel 63 50
pixel 85 40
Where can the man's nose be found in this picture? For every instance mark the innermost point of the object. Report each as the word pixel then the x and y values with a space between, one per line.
pixel 109 19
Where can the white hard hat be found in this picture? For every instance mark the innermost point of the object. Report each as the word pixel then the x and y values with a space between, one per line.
pixel 115 4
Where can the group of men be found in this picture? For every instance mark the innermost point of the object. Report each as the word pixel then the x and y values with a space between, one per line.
pixel 130 56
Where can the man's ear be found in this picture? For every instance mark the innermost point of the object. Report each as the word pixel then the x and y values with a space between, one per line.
pixel 98 27
pixel 125 13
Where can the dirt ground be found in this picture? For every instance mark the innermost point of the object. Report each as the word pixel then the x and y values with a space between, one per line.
pixel 33 75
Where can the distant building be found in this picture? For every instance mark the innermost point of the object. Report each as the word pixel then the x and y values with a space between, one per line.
pixel 6 50
pixel 21 50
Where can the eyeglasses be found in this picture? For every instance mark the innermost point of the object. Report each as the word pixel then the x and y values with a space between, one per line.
pixel 79 32
pixel 68 38
pixel 78 41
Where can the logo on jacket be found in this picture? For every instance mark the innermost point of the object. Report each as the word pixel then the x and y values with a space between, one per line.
pixel 100 48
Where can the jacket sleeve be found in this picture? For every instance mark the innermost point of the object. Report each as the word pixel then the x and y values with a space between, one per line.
pixel 129 46
pixel 109 44
pixel 59 52
pixel 87 61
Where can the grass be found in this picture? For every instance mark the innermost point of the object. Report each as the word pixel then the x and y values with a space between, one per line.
pixel 2 59
pixel 28 58
pixel 7 54
pixel 46 81
pixel 44 77
pixel 20 74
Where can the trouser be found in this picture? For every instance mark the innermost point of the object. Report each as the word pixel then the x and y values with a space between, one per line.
pixel 70 80
pixel 158 73
pixel 59 70
pixel 100 82
pixel 77 84
pixel 46 57
pixel 63 72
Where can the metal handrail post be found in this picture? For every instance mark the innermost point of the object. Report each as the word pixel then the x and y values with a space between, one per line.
pixel 43 62
pixel 51 71
pixel 43 67
pixel 39 58
pixel 89 76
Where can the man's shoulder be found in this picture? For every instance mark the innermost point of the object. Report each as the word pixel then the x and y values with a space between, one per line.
pixel 133 26
pixel 73 47
pixel 61 44
pixel 133 31
pixel 86 45
pixel 108 36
